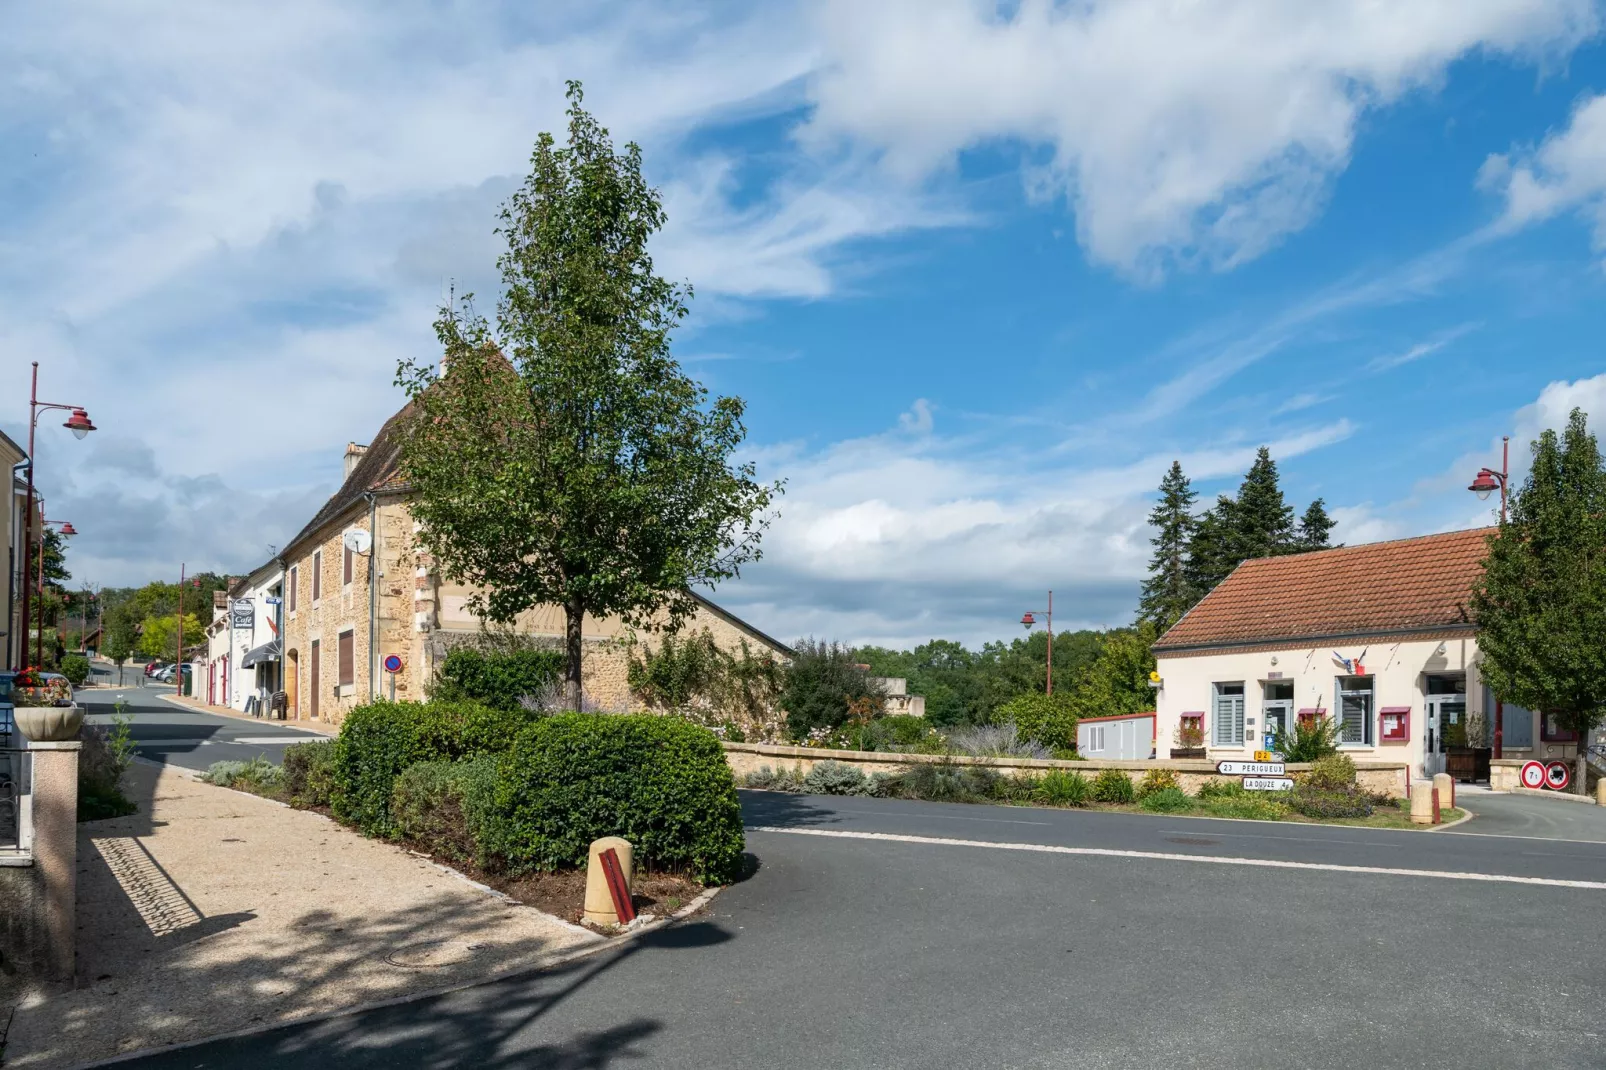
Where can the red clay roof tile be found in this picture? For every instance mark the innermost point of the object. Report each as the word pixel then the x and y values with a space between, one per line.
pixel 1375 588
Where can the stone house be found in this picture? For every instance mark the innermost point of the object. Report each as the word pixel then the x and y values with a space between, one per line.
pixel 358 591
pixel 1378 637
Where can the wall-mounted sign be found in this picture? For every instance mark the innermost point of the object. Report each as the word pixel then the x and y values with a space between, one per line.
pixel 242 614
pixel 1251 768
pixel 393 663
pixel 273 600
pixel 1268 783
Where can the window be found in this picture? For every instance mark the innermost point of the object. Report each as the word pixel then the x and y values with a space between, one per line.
pixel 317 575
pixel 345 567
pixel 1277 709
pixel 1354 708
pixel 1095 738
pixel 347 649
pixel 1229 715
pixel 295 577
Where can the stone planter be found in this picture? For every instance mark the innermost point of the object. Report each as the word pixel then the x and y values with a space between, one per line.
pixel 48 724
pixel 1193 753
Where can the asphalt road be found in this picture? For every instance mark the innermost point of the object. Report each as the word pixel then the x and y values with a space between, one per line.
pixel 166 732
pixel 1296 947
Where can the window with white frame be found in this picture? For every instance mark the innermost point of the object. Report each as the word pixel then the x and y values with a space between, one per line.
pixel 1228 716
pixel 1095 738
pixel 1355 706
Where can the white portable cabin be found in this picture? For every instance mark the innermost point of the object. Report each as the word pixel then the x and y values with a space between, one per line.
pixel 1128 737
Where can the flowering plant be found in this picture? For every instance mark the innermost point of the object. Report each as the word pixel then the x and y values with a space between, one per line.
pixel 31 688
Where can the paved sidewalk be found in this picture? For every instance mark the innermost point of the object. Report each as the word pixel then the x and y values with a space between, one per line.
pixel 212 911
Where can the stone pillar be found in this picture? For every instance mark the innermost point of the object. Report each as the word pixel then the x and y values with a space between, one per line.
pixel 599 903
pixel 1446 785
pixel 1422 803
pixel 55 850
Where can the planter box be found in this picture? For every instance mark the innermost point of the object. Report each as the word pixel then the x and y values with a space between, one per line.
pixel 1187 752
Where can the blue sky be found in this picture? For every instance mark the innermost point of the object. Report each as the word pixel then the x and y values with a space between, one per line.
pixel 980 270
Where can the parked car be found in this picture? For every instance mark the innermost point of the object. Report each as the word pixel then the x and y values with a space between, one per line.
pixel 154 667
pixel 166 675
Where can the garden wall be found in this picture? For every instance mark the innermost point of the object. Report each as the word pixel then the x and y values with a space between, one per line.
pixel 1388 778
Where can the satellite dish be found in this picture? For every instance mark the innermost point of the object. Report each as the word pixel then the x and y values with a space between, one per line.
pixel 357 540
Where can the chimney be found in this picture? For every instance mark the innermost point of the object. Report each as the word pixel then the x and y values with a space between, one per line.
pixel 354 454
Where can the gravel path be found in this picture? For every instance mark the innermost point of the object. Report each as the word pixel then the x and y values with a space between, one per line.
pixel 211 911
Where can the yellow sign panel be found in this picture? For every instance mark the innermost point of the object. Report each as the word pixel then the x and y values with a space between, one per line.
pixel 1263 756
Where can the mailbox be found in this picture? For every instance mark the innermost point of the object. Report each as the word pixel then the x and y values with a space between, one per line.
pixel 1396 724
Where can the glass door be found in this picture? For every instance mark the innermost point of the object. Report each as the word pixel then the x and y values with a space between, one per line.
pixel 1277 712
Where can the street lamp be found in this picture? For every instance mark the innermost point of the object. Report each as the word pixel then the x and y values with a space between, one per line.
pixel 1485 483
pixel 79 424
pixel 39 646
pixel 1028 621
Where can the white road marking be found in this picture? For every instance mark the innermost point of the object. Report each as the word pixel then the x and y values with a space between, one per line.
pixel 1165 856
pixel 260 740
pixel 1290 839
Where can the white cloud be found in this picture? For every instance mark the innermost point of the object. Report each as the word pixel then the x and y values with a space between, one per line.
pixel 1181 132
pixel 1421 349
pixel 1567 172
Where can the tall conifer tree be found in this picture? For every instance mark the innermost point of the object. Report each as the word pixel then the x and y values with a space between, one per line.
pixel 1315 527
pixel 1168 593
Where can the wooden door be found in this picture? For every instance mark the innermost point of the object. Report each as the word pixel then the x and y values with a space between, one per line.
pixel 312 669
pixel 293 700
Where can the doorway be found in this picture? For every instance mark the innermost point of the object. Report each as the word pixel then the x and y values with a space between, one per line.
pixel 1277 711
pixel 312 673
pixel 1444 721
pixel 293 672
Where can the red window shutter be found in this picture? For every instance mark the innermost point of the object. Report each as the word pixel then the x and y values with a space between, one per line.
pixel 317 575
pixel 295 575
pixel 348 658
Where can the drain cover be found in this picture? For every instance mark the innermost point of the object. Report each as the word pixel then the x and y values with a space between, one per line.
pixel 1200 841
pixel 431 954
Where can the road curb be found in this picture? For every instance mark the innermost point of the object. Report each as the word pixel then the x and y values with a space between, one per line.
pixel 362 1008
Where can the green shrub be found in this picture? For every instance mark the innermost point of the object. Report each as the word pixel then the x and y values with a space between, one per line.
pixel 836 778
pixel 1315 802
pixel 1223 789
pixel 1166 801
pixel 1113 786
pixel 820 682
pixel 1018 788
pixel 75 667
pixel 910 735
pixel 659 782
pixel 1311 738
pixel 378 741
pixel 309 774
pixel 1158 780
pixel 446 806
pixel 782 779
pixel 1046 719
pixel 496 678
pixel 1332 772
pixel 942 782
pixel 1061 787
pixel 258 774
pixel 103 757
pixel 1245 806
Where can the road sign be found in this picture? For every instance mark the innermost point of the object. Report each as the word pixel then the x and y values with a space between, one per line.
pixel 1268 783
pixel 242 615
pixel 393 663
pixel 1251 768
pixel 1558 776
pixel 273 600
pixel 1532 775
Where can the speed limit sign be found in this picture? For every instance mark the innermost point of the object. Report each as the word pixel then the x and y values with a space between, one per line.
pixel 1532 775
pixel 1557 776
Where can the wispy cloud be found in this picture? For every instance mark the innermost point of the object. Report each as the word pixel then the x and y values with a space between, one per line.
pixel 1421 349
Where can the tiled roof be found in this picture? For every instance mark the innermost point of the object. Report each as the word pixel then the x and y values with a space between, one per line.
pixel 378 469
pixel 1379 588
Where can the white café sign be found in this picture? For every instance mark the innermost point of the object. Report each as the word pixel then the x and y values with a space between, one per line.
pixel 1251 768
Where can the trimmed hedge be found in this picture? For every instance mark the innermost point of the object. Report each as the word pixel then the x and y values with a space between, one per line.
pixel 379 741
pixel 1046 719
pixel 660 782
pixel 309 774
pixel 496 679
pixel 447 806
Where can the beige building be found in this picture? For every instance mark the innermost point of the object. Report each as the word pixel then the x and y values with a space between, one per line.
pixel 1377 636
pixel 358 591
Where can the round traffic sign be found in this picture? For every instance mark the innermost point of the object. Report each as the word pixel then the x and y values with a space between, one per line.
pixel 393 663
pixel 1532 775
pixel 1557 776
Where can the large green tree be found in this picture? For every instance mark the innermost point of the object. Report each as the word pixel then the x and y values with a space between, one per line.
pixel 564 457
pixel 1541 602
pixel 1168 592
pixel 1257 522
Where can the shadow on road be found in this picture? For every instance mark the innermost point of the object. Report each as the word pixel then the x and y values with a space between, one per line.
pixel 779 809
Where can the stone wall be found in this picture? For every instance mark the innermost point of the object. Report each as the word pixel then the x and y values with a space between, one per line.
pixel 1382 777
pixel 39 886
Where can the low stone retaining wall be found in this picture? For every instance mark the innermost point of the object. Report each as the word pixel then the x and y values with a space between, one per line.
pixel 1388 778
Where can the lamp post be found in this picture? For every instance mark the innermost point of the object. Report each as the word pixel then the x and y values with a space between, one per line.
pixel 39 646
pixel 1483 485
pixel 78 423
pixel 178 664
pixel 1028 620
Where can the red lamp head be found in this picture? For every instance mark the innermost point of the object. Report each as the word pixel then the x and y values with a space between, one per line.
pixel 68 529
pixel 1027 620
pixel 1485 484
pixel 78 423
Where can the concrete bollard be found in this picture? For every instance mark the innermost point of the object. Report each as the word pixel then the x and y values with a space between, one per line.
pixel 599 904
pixel 1422 811
pixel 1444 784
pixel 1600 791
